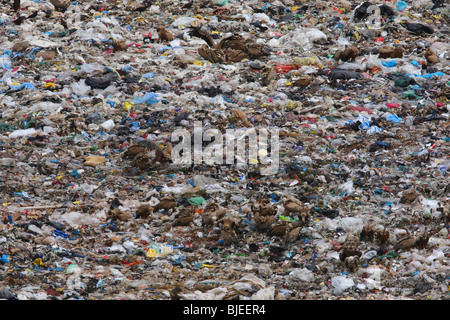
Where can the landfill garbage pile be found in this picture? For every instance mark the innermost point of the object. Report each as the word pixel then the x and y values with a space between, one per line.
pixel 95 207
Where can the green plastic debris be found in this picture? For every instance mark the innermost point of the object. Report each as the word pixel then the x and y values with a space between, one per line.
pixel 6 127
pixel 391 254
pixel 410 94
pixel 402 81
pixel 73 268
pixel 196 201
pixel 331 119
pixel 284 218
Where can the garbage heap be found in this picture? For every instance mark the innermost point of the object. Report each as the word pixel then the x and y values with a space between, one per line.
pixel 94 205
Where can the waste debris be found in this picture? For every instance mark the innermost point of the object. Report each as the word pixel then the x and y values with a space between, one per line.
pixel 224 150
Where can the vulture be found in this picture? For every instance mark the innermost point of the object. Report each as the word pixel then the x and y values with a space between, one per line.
pixel 212 213
pixel 350 248
pixel 368 232
pixel 232 48
pixel 228 232
pixel 60 6
pixel 383 236
pixel 166 203
pixel 144 211
pixel 280 229
pixel 184 217
pixel 405 242
pixel 164 34
pixel 294 207
pixel 409 196
pixel 422 240
pixel 146 154
pixel 264 215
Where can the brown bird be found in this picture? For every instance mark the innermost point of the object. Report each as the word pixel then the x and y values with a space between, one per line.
pixel 166 204
pixel 211 51
pixel 140 147
pixel 348 54
pixel 228 232
pixel 146 154
pixel 229 223
pixel 133 151
pixel 117 214
pixel 184 217
pixel 264 214
pixel 409 196
pixel 291 234
pixel 144 211
pixel 213 55
pixel 212 213
pixel 291 205
pixel 383 236
pixel 60 5
pixel 263 222
pixel 444 209
pixel 255 50
pixel 119 45
pixel 145 160
pixel 303 81
pixel 295 208
pixel 280 229
pixel 390 52
pixel 234 55
pixel 422 240
pixel 350 248
pixel 229 237
pixel 431 56
pixel 352 263
pixel 232 48
pixel 368 232
pixel 263 207
pixel 199 32
pixel 405 242
pixel 20 46
pixel 248 46
pixel 164 34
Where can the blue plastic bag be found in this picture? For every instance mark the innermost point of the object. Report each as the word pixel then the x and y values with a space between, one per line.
pixel 401 5
pixel 4 259
pixel 25 85
pixel 148 75
pixel 149 98
pixel 394 118
pixel 389 64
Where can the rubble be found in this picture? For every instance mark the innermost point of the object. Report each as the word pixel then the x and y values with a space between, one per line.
pixel 348 199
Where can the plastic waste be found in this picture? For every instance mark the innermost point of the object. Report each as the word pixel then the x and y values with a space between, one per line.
pixel 401 5
pixel 108 124
pixel 22 133
pixel 329 125
pixel 344 74
pixel 341 284
pixel 303 275
pixel 419 28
